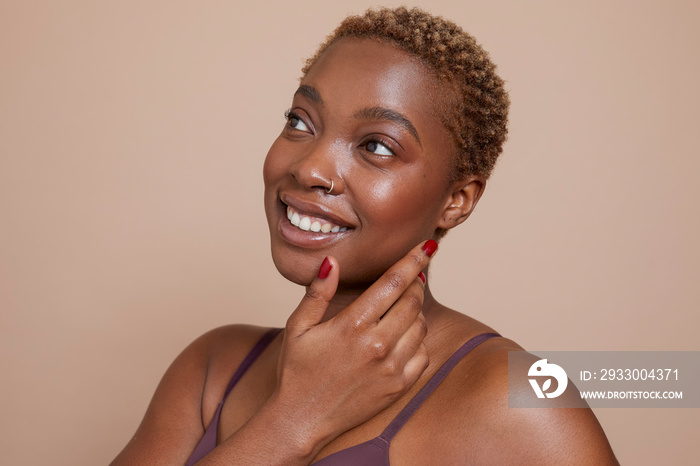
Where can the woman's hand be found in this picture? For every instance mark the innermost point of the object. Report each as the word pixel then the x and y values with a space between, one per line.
pixel 337 374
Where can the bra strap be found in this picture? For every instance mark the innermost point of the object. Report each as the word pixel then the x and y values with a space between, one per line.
pixel 250 359
pixel 432 384
pixel 208 440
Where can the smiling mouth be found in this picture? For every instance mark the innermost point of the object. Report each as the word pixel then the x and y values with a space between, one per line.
pixel 310 223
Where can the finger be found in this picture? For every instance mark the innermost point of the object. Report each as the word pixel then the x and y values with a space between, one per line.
pixel 383 293
pixel 416 365
pixel 410 342
pixel 318 294
pixel 403 313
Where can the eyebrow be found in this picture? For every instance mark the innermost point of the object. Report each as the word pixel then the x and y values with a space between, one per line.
pixel 310 93
pixel 381 113
pixel 369 113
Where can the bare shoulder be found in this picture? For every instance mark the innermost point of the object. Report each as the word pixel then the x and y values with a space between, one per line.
pixel 187 396
pixel 224 348
pixel 488 431
pixel 229 342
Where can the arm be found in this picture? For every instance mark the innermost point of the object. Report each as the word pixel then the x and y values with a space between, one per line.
pixel 173 423
pixel 331 377
pixel 335 375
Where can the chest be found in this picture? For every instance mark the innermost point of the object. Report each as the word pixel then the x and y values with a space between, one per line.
pixel 423 439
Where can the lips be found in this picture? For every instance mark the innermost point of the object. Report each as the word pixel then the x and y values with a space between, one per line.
pixel 312 223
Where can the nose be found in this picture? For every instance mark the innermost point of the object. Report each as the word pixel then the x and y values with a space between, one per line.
pixel 317 167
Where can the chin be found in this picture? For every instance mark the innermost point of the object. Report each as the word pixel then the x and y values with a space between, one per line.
pixel 300 268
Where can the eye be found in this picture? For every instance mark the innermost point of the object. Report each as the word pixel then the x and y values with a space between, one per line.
pixel 294 121
pixel 379 148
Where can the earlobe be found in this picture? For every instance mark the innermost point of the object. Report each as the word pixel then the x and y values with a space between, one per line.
pixel 461 202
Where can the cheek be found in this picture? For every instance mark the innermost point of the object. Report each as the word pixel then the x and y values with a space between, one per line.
pixel 403 201
pixel 274 170
pixel 382 190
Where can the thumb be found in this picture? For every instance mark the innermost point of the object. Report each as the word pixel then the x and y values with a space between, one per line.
pixel 313 305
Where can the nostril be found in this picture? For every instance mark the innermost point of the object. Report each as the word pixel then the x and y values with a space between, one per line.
pixel 317 181
pixel 315 168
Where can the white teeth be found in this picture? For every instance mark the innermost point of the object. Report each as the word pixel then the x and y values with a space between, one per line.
pixel 306 224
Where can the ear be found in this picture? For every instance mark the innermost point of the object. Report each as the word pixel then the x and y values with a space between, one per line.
pixel 461 202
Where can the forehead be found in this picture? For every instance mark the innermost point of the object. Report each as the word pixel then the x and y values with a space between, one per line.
pixel 354 73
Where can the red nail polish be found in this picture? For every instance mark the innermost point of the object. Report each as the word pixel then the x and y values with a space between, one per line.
pixel 325 269
pixel 421 275
pixel 430 247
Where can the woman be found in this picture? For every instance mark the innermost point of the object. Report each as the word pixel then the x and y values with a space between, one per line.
pixel 391 136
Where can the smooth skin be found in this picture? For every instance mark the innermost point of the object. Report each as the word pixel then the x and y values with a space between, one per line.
pixel 366 338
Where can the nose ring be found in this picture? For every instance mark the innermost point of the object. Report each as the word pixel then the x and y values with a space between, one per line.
pixel 328 190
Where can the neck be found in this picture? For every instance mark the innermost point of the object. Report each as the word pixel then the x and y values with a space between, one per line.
pixel 343 299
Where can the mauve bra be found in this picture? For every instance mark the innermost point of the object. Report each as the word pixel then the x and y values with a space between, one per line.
pixel 374 452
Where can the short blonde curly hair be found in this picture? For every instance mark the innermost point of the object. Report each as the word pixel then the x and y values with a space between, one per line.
pixel 478 114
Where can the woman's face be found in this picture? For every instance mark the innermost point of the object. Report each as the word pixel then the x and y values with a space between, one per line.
pixel 365 119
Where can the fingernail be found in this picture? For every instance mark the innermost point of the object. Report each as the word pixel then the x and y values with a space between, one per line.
pixel 430 247
pixel 421 275
pixel 325 269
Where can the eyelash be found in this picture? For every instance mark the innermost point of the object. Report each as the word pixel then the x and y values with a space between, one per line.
pixel 289 114
pixel 381 141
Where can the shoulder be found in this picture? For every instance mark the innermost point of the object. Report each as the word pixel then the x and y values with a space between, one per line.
pixel 223 349
pixel 500 434
pixel 187 396
pixel 228 341
pixel 212 357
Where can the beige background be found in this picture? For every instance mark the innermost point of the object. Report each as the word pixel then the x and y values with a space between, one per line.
pixel 132 136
